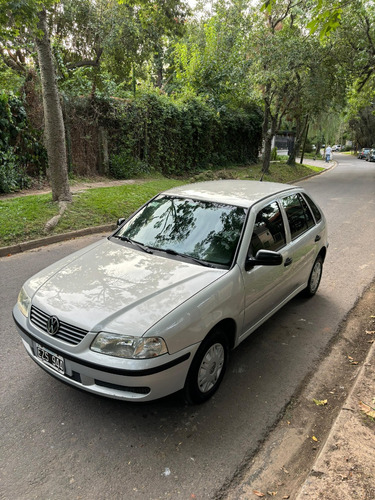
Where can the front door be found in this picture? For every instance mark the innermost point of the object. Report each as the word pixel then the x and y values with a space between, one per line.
pixel 265 285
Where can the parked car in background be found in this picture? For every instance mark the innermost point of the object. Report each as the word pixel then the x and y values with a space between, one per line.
pixel 371 155
pixel 156 307
pixel 336 147
pixel 363 153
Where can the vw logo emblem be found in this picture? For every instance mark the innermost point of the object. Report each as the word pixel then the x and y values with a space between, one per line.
pixel 53 325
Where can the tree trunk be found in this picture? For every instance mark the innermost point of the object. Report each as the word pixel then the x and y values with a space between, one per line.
pixel 269 130
pixel 267 153
pixel 304 143
pixel 103 151
pixel 53 119
pixel 300 132
pixel 158 62
pixel 266 142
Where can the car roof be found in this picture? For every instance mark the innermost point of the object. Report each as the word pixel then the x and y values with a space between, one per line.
pixel 240 193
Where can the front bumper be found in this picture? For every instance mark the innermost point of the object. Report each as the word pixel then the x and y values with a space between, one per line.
pixel 128 380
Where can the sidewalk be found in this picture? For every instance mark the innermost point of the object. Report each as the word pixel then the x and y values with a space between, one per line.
pixel 345 466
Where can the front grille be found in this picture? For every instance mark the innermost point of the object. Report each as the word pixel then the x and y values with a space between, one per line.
pixel 69 333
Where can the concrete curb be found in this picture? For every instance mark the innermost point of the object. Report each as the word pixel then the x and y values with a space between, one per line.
pixel 315 173
pixel 56 238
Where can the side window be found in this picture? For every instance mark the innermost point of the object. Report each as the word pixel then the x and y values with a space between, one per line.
pixel 308 215
pixel 269 232
pixel 299 215
pixel 314 208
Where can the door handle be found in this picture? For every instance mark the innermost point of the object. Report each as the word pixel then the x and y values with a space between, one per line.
pixel 288 261
pixel 317 238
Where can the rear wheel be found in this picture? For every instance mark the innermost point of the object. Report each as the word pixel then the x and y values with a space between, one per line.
pixel 207 369
pixel 315 277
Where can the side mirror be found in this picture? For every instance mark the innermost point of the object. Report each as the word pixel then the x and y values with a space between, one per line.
pixel 120 221
pixel 264 258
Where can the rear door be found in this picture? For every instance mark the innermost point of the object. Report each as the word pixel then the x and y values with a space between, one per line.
pixel 303 239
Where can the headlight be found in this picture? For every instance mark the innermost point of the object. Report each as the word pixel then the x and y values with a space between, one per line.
pixel 24 302
pixel 114 344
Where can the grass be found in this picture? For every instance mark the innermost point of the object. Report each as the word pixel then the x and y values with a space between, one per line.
pixel 24 218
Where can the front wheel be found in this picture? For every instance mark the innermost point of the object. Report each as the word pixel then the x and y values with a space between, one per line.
pixel 207 369
pixel 315 277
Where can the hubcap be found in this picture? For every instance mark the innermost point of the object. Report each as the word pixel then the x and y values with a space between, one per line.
pixel 211 367
pixel 315 276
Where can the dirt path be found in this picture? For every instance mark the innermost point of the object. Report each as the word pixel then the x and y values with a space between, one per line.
pixel 75 187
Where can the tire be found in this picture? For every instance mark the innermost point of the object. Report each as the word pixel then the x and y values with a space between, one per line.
pixel 207 368
pixel 315 277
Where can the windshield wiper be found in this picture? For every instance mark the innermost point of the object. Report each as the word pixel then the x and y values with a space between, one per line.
pixel 198 261
pixel 139 245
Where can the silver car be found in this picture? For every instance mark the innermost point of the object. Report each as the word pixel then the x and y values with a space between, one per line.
pixel 156 307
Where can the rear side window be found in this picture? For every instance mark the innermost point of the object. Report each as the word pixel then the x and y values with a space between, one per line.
pixel 299 215
pixel 269 231
pixel 314 208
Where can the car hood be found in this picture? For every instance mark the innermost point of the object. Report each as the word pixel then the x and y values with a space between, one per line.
pixel 113 287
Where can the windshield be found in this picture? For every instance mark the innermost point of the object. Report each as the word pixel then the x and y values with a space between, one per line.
pixel 202 230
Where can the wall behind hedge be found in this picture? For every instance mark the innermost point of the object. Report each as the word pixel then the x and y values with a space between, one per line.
pixel 152 132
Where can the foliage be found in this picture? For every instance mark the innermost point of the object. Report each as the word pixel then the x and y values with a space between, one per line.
pixel 184 136
pixel 9 80
pixel 363 127
pixel 116 42
pixel 295 59
pixel 213 61
pixel 21 153
pixel 356 37
pixel 325 15
pixel 124 166
pixel 8 171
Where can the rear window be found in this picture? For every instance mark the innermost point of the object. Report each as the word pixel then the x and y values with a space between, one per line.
pixel 299 215
pixel 314 208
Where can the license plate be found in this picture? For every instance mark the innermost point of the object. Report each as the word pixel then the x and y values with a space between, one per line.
pixel 50 359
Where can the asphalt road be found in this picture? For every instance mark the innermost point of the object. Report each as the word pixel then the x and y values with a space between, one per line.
pixel 57 442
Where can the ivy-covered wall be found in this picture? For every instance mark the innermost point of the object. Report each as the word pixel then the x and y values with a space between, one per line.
pixel 126 138
pixel 153 133
pixel 21 150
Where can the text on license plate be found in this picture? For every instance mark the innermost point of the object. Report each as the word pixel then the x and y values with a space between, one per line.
pixel 50 359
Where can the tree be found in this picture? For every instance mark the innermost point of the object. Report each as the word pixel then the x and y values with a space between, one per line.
pixel 212 60
pixel 277 60
pixel 163 21
pixel 111 35
pixel 96 45
pixel 27 20
pixel 325 15
pixel 53 118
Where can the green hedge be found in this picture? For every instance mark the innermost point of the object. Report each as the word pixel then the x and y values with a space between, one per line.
pixel 152 132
